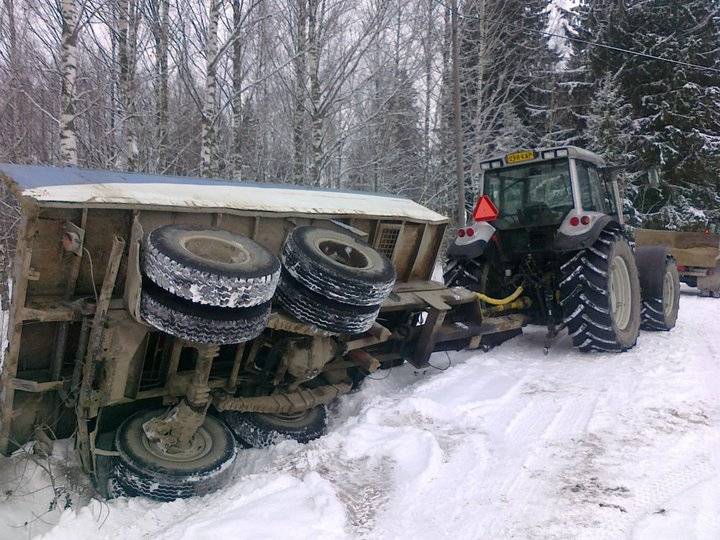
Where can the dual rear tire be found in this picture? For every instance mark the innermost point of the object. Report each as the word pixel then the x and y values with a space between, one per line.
pixel 206 285
pixel 332 280
pixel 606 298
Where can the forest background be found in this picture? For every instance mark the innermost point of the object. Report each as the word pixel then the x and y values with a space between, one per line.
pixel 360 94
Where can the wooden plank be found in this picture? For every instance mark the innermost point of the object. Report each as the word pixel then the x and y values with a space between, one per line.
pixel 70 284
pixel 36 387
pixel 87 404
pixel 58 314
pixel 426 342
pixel 23 258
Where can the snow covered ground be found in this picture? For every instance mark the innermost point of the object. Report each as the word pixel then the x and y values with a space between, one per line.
pixel 509 444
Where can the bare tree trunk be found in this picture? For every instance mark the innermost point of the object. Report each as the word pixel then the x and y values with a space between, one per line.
pixel 159 16
pixel 459 153
pixel 13 68
pixel 428 49
pixel 127 41
pixel 208 163
pixel 477 152
pixel 68 135
pixel 300 82
pixel 316 115
pixel 237 80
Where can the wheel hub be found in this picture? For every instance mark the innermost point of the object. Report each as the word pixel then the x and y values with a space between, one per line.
pixel 343 254
pixel 199 446
pixel 620 292
pixel 215 249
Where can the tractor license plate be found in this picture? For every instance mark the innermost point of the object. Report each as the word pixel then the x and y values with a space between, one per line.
pixel 519 157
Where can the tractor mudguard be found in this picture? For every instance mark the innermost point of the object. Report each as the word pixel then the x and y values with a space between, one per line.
pixel 565 242
pixel 651 267
pixel 471 246
pixel 468 251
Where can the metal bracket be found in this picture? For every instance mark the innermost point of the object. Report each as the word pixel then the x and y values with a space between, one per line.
pixel 73 238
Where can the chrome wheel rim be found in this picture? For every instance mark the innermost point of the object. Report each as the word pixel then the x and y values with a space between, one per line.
pixel 620 293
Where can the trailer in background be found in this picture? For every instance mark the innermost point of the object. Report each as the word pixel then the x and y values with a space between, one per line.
pixel 697 255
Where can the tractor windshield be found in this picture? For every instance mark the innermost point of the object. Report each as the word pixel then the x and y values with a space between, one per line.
pixel 532 195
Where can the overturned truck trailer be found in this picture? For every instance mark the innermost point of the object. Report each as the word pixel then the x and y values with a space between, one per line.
pixel 159 320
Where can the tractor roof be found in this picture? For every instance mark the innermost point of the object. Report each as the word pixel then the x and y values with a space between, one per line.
pixel 572 152
pixel 60 186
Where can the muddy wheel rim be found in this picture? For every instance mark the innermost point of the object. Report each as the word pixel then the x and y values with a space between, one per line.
pixel 668 294
pixel 343 254
pixel 199 446
pixel 215 249
pixel 620 293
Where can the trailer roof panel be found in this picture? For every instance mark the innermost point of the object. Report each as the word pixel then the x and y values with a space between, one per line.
pixel 72 185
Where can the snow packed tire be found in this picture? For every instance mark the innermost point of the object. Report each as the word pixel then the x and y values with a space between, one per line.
pixel 202 324
pixel 143 469
pixel 337 266
pixel 209 266
pixel 660 311
pixel 258 430
pixel 312 308
pixel 600 295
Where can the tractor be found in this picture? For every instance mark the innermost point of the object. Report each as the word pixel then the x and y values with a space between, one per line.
pixel 548 240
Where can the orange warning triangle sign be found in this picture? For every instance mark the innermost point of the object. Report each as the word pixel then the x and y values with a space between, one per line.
pixel 485 210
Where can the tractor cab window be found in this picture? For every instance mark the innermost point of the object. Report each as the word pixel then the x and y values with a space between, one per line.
pixel 591 190
pixel 536 194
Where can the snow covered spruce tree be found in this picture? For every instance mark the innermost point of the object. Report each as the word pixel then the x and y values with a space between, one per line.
pixel 675 105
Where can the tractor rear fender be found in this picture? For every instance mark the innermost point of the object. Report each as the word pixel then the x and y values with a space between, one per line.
pixel 471 246
pixel 574 238
pixel 651 262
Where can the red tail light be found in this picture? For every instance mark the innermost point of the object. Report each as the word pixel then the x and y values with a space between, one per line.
pixel 461 233
pixel 585 220
pixel 470 231
pixel 574 221
pixel 485 210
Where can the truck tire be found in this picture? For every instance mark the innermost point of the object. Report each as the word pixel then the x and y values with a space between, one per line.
pixel 337 266
pixel 660 284
pixel 600 295
pixel 199 323
pixel 258 430
pixel 143 469
pixel 312 308
pixel 209 266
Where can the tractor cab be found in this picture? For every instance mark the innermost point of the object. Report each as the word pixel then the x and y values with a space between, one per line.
pixel 549 199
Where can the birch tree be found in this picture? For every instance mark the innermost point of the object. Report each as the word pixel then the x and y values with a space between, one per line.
pixel 208 164
pixel 68 135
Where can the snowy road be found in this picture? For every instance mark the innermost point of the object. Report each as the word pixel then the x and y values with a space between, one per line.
pixel 509 444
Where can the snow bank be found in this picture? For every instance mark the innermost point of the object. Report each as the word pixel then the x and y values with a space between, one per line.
pixel 509 444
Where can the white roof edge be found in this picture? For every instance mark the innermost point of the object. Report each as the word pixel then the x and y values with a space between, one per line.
pixel 62 186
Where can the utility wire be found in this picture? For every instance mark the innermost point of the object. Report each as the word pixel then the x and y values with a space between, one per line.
pixel 630 52
pixel 599 45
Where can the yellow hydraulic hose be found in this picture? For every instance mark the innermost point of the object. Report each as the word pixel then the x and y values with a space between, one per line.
pixel 501 302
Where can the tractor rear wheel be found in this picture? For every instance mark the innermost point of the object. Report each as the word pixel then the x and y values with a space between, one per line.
pixel 600 295
pixel 662 302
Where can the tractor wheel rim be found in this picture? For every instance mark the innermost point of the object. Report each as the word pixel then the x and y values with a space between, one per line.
pixel 620 293
pixel 668 294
